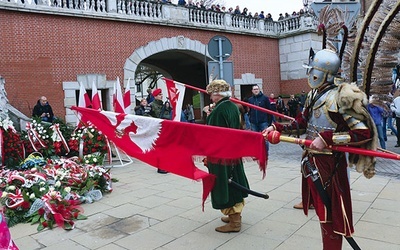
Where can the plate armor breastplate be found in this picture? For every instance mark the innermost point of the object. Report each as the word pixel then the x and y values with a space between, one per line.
pixel 319 120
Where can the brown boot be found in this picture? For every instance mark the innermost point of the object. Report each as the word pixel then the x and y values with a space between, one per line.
pixel 234 225
pixel 225 219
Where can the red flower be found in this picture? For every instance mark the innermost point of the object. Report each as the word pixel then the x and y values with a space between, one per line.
pixel 25 205
pixel 41 211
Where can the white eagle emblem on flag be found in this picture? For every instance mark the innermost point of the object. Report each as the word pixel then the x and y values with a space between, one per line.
pixel 143 131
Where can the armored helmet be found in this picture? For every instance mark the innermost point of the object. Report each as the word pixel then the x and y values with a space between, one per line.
pixel 323 66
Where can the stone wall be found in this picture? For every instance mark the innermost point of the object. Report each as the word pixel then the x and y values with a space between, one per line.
pixel 294 52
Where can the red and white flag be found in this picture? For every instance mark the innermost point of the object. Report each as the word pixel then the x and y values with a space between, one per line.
pixel 96 103
pixel 176 93
pixel 118 101
pixel 84 100
pixel 155 142
pixel 127 97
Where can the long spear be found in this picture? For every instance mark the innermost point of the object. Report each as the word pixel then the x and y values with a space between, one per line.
pixel 238 101
pixel 275 137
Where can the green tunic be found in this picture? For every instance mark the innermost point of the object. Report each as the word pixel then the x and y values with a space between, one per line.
pixel 157 107
pixel 226 114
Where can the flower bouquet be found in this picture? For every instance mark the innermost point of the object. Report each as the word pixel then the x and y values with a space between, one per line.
pixel 89 139
pixel 50 194
pixel 44 188
pixel 94 159
pixel 12 143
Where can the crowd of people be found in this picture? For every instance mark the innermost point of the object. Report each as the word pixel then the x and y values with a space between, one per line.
pixel 255 119
pixel 235 11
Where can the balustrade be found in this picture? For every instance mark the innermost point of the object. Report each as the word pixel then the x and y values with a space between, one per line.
pixel 201 16
pixel 156 11
pixel 145 9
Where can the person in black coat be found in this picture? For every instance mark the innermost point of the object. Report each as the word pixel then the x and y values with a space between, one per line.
pixel 259 120
pixel 43 110
pixel 143 109
pixel 293 104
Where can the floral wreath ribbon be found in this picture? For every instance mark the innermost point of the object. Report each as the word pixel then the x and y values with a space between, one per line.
pixel 15 200
pixel 57 136
pixel 34 136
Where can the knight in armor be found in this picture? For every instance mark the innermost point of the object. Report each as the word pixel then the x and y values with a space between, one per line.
pixel 334 114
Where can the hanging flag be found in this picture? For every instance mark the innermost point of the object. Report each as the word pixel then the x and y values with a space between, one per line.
pixel 84 100
pixel 96 103
pixel 156 142
pixel 176 93
pixel 127 98
pixel 118 100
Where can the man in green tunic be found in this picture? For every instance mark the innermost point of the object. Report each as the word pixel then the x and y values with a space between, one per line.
pixel 223 196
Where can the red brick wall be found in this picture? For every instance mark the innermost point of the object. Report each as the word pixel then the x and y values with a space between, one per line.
pixel 294 87
pixel 39 52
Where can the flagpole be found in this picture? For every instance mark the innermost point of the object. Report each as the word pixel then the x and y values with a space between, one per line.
pixel 239 102
pixel 276 137
pixel 262 109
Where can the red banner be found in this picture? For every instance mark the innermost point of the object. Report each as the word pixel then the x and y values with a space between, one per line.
pixel 171 146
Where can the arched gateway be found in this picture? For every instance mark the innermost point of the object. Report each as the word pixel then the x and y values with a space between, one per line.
pixel 179 58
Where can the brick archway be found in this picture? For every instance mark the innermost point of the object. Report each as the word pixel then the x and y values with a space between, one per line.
pixel 162 45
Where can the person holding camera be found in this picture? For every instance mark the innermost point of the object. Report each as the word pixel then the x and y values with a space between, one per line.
pixel 43 110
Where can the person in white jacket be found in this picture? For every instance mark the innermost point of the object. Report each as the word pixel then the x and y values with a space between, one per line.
pixel 395 107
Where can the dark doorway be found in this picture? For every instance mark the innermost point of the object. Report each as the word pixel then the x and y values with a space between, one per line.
pixel 245 91
pixel 183 66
